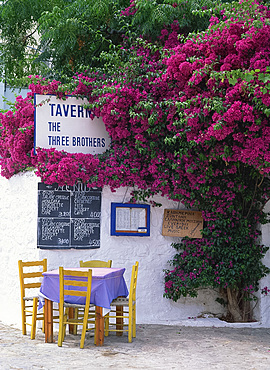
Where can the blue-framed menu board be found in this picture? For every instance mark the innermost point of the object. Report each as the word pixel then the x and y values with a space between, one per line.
pixel 68 217
pixel 130 219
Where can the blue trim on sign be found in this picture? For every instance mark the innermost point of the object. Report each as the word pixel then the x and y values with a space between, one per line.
pixel 35 127
pixel 142 231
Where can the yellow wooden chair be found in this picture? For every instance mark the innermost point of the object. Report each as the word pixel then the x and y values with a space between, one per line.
pixel 91 264
pixel 124 309
pixel 96 263
pixel 71 282
pixel 30 274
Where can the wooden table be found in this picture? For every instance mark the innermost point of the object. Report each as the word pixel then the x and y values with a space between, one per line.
pixel 48 322
pixel 108 282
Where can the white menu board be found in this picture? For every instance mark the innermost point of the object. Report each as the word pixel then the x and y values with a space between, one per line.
pixel 130 219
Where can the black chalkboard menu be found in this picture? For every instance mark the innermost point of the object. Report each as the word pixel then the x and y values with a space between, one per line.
pixel 68 216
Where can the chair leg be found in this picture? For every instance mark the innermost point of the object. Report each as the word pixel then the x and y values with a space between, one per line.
pixel 65 319
pixel 134 321
pixel 43 321
pixel 23 318
pixel 34 318
pixel 84 328
pixel 61 326
pixel 106 325
pixel 130 321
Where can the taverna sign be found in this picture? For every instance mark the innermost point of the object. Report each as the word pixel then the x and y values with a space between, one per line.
pixel 67 125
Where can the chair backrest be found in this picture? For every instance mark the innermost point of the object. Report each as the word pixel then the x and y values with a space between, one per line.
pixel 96 263
pixel 76 284
pixel 30 274
pixel 133 282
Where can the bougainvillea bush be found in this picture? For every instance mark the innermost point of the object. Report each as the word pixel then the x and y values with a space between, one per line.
pixel 190 122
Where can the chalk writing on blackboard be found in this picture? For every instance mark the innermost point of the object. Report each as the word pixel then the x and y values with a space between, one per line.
pixel 68 216
pixel 182 223
pixel 51 228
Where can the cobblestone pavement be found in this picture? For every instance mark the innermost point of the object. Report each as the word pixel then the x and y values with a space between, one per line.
pixel 156 347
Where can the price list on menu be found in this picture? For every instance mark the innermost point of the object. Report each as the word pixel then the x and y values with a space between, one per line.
pixel 68 216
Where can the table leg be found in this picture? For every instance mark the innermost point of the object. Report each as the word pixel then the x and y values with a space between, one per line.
pixel 72 314
pixel 99 327
pixel 48 321
pixel 119 320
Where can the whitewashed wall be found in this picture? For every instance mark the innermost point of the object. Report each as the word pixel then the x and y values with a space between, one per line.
pixel 264 303
pixel 18 239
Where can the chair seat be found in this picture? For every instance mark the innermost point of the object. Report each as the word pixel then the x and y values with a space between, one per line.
pixel 30 298
pixel 74 305
pixel 79 321
pixel 120 302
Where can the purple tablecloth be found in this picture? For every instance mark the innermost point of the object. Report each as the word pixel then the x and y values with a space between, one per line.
pixel 107 284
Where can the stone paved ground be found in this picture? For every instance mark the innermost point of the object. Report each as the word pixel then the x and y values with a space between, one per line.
pixel 156 347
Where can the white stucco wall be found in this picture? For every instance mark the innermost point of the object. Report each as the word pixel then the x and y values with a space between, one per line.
pixel 264 303
pixel 18 240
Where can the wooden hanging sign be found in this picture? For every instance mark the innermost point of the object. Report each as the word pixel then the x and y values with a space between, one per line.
pixel 182 223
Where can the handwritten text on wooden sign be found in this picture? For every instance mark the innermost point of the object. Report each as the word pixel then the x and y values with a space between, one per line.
pixel 182 223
